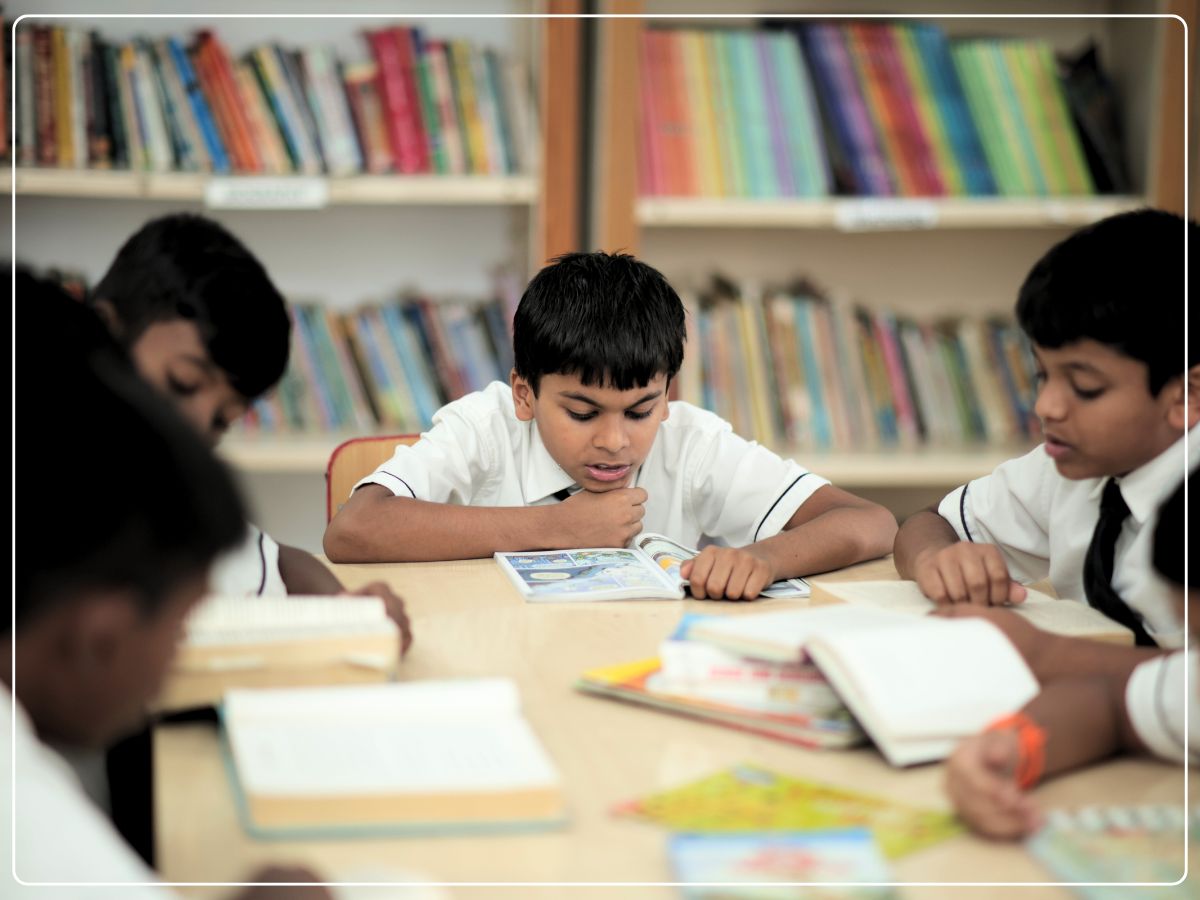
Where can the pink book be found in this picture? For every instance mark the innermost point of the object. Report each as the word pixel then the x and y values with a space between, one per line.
pixel 903 97
pixel 406 150
pixel 650 167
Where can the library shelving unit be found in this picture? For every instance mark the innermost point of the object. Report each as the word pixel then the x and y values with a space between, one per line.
pixel 924 257
pixel 340 239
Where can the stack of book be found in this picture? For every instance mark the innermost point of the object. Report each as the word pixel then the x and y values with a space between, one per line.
pixel 794 368
pixel 788 700
pixel 866 108
pixel 387 367
pixel 419 105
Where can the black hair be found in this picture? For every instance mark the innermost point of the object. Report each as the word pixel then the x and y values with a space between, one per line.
pixel 606 317
pixel 1169 544
pixel 185 266
pixel 117 491
pixel 1119 282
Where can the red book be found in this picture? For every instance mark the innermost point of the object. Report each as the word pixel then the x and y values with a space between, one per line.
pixel 408 65
pixel 882 104
pixel 649 165
pixel 677 135
pixel 406 149
pixel 224 83
pixel 903 100
pixel 218 105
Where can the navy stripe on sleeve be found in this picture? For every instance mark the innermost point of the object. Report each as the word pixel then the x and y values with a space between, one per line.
pixel 775 504
pixel 262 561
pixel 962 512
pixel 399 479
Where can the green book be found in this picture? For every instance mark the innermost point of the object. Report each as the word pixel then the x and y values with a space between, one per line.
pixel 754 125
pixel 429 106
pixel 981 102
pixel 732 140
pixel 1032 109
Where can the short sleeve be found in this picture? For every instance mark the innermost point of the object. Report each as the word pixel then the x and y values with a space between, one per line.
pixel 1156 697
pixel 249 570
pixel 451 461
pixel 741 492
pixel 1011 509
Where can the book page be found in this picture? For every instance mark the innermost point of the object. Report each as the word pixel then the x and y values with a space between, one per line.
pixel 669 556
pixel 563 573
pixel 782 635
pixel 1067 617
pixel 237 620
pixel 384 739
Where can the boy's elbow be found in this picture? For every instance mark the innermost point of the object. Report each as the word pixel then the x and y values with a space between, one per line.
pixel 878 534
pixel 345 540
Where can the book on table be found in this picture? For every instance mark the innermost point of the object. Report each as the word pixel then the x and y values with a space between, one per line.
pixel 392 758
pixel 1059 616
pixel 916 684
pixel 646 570
pixel 279 641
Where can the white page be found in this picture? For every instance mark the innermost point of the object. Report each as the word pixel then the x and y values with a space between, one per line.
pixel 783 634
pixel 1069 617
pixel 231 620
pixel 941 678
pixel 465 735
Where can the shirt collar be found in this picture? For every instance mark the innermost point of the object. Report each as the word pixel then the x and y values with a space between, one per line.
pixel 1145 488
pixel 542 477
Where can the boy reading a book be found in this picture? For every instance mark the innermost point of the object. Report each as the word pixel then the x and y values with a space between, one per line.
pixel 1103 309
pixel 582 449
pixel 203 323
pixel 100 594
pixel 1111 699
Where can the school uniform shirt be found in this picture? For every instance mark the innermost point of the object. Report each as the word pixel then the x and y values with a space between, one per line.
pixel 1158 692
pixel 250 569
pixel 702 480
pixel 1043 524
pixel 60 835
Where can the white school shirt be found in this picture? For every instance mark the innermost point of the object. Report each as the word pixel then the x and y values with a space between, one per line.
pixel 702 480
pixel 60 835
pixel 1158 692
pixel 250 569
pixel 1043 524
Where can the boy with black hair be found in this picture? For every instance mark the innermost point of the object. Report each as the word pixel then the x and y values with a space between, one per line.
pixel 582 449
pixel 100 593
pixel 203 322
pixel 1107 700
pixel 1103 310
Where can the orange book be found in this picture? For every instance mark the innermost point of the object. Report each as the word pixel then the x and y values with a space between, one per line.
pixel 221 74
pixel 678 135
pixel 218 104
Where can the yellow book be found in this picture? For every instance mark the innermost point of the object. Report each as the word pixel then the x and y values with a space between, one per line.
pixel 699 98
pixel 468 106
pixel 756 371
pixel 63 98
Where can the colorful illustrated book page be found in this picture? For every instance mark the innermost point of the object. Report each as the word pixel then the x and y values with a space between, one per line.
pixel 747 798
pixel 761 866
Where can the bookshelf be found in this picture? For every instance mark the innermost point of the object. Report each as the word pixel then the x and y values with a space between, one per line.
pixel 928 258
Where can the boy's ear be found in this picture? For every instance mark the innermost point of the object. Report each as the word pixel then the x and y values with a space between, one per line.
pixel 95 630
pixel 523 396
pixel 1183 396
pixel 108 315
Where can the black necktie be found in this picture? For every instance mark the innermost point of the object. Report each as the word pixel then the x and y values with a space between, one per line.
pixel 1098 565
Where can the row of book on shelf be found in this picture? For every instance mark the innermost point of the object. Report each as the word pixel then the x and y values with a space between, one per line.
pixel 417 105
pixel 790 368
pixel 868 108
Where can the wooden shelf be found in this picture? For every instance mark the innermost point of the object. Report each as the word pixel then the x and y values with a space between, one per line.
pixel 513 190
pixel 878 214
pixel 924 467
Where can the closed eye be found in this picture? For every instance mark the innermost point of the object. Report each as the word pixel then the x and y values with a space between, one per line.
pixel 633 414
pixel 581 417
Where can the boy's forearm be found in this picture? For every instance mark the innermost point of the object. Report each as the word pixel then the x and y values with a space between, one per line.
pixel 836 538
pixel 1061 657
pixel 921 532
pixel 303 573
pixel 1083 719
pixel 400 529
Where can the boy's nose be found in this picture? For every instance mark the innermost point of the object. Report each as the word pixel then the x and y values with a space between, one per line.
pixel 611 437
pixel 1051 403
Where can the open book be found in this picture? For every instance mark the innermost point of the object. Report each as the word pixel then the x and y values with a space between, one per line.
pixel 279 641
pixel 916 684
pixel 647 570
pixel 433 755
pixel 1067 617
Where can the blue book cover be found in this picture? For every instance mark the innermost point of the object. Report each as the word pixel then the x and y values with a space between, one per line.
pixel 754 122
pixel 385 391
pixel 846 162
pixel 417 368
pixel 800 115
pixel 191 86
pixel 807 351
pixel 763 865
pixel 316 375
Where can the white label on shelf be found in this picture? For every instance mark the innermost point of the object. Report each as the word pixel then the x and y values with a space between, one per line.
pixel 251 192
pixel 884 214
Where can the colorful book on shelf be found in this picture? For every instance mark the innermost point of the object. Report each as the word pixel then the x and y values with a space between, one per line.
pixel 201 111
pixel 633 682
pixel 648 569
pixel 1144 848
pixel 366 108
pixel 751 799
pixel 256 642
pixel 419 757
pixel 465 92
pixel 771 864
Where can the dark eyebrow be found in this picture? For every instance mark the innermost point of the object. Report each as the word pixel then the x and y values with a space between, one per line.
pixel 583 398
pixel 1083 367
pixel 204 362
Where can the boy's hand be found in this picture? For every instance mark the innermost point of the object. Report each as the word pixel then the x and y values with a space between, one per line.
pixel 982 784
pixel 608 519
pixel 967 573
pixel 1031 642
pixel 394 606
pixel 732 573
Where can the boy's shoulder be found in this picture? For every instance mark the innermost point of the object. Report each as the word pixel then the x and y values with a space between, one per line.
pixel 493 403
pixel 687 419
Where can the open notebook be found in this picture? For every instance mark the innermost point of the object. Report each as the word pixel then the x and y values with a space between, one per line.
pixel 916 684
pixel 234 642
pixel 1067 617
pixel 424 756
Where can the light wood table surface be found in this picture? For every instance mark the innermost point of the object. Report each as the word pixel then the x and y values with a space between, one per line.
pixel 469 621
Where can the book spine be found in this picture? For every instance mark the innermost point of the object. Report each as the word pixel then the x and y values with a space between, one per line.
pixel 262 62
pixel 416 364
pixel 468 106
pixel 318 389
pixel 213 142
pixel 447 109
pixel 904 99
pixel 296 96
pixel 218 104
pixel 394 98
pixel 263 126
pixel 439 161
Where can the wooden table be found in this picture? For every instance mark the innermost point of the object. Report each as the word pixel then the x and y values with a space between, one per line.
pixel 469 621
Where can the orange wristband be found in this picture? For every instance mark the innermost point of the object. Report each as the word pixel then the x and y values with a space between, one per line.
pixel 1031 747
